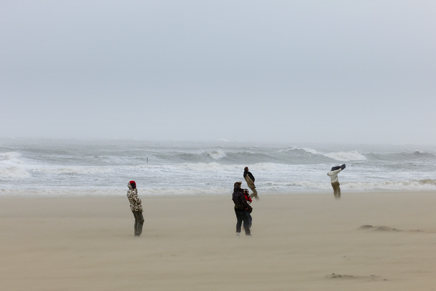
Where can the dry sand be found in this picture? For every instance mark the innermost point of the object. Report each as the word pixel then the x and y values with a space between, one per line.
pixel 366 241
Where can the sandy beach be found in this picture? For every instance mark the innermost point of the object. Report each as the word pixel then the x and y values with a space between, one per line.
pixel 365 241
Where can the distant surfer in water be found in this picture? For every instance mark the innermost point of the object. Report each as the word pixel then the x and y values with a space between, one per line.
pixel 136 207
pixel 335 181
pixel 249 178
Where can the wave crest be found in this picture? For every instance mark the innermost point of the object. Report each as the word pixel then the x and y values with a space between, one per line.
pixel 346 156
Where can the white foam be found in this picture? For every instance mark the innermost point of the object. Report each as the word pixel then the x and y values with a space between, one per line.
pixel 218 154
pixel 74 170
pixel 10 166
pixel 408 185
pixel 10 158
pixel 311 151
pixel 339 156
pixel 14 173
pixel 346 156
pixel 152 191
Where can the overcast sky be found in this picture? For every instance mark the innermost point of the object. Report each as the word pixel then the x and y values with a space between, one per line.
pixel 279 71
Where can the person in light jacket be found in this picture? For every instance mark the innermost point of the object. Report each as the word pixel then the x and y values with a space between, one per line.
pixel 335 181
pixel 136 207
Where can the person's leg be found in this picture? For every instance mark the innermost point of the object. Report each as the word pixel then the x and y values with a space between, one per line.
pixel 254 194
pixel 339 191
pixel 246 222
pixel 250 219
pixel 239 220
pixel 134 224
pixel 139 221
pixel 336 190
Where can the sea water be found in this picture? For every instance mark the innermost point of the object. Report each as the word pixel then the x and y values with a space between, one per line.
pixel 103 167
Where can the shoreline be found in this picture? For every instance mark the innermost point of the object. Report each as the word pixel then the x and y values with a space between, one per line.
pixel 143 193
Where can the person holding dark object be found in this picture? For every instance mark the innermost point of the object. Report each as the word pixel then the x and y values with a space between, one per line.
pixel 247 197
pixel 136 207
pixel 335 181
pixel 249 178
pixel 241 210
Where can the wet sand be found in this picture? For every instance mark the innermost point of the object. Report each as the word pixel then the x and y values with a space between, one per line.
pixel 365 241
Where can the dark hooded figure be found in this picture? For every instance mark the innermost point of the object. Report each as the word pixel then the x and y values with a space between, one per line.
pixel 335 181
pixel 249 178
pixel 241 209
pixel 136 207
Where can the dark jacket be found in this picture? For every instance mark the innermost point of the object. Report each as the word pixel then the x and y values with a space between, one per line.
pixel 249 175
pixel 334 168
pixel 247 197
pixel 239 200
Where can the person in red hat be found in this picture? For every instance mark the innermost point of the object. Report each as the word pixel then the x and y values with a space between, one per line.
pixel 136 207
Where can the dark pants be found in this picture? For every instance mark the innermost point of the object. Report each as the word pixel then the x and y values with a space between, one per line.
pixel 250 219
pixel 139 221
pixel 242 216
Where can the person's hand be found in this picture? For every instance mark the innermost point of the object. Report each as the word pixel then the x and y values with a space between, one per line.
pixel 343 166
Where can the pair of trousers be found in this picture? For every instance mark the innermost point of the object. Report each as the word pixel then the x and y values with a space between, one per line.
pixel 139 221
pixel 242 216
pixel 250 219
pixel 254 194
pixel 336 190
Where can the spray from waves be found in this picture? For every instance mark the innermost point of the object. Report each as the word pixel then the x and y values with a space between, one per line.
pixel 9 158
pixel 346 156
pixel 117 191
pixel 338 156
pixel 218 154
pixel 403 156
pixel 355 186
pixel 14 173
pixel 406 185
pixel 74 170
pixel 12 167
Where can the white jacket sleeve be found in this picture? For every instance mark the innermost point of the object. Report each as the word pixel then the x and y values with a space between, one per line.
pixel 335 172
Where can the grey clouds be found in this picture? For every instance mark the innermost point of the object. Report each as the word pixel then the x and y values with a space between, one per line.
pixel 279 71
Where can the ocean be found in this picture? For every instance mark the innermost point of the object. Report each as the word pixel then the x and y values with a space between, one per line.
pixel 59 167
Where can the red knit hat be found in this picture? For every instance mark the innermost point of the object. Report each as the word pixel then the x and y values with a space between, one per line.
pixel 133 184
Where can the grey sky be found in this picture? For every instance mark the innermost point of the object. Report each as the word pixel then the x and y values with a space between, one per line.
pixel 291 71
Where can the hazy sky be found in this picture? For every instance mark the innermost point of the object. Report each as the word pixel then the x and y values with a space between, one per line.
pixel 280 71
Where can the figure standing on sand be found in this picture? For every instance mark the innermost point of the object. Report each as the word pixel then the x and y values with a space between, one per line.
pixel 241 210
pixel 247 197
pixel 136 207
pixel 335 181
pixel 249 178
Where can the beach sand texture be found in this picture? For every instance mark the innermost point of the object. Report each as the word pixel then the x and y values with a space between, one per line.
pixel 365 241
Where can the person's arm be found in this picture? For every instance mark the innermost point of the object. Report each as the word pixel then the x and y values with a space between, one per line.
pixel 332 173
pixel 244 201
pixel 136 198
pixel 251 176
